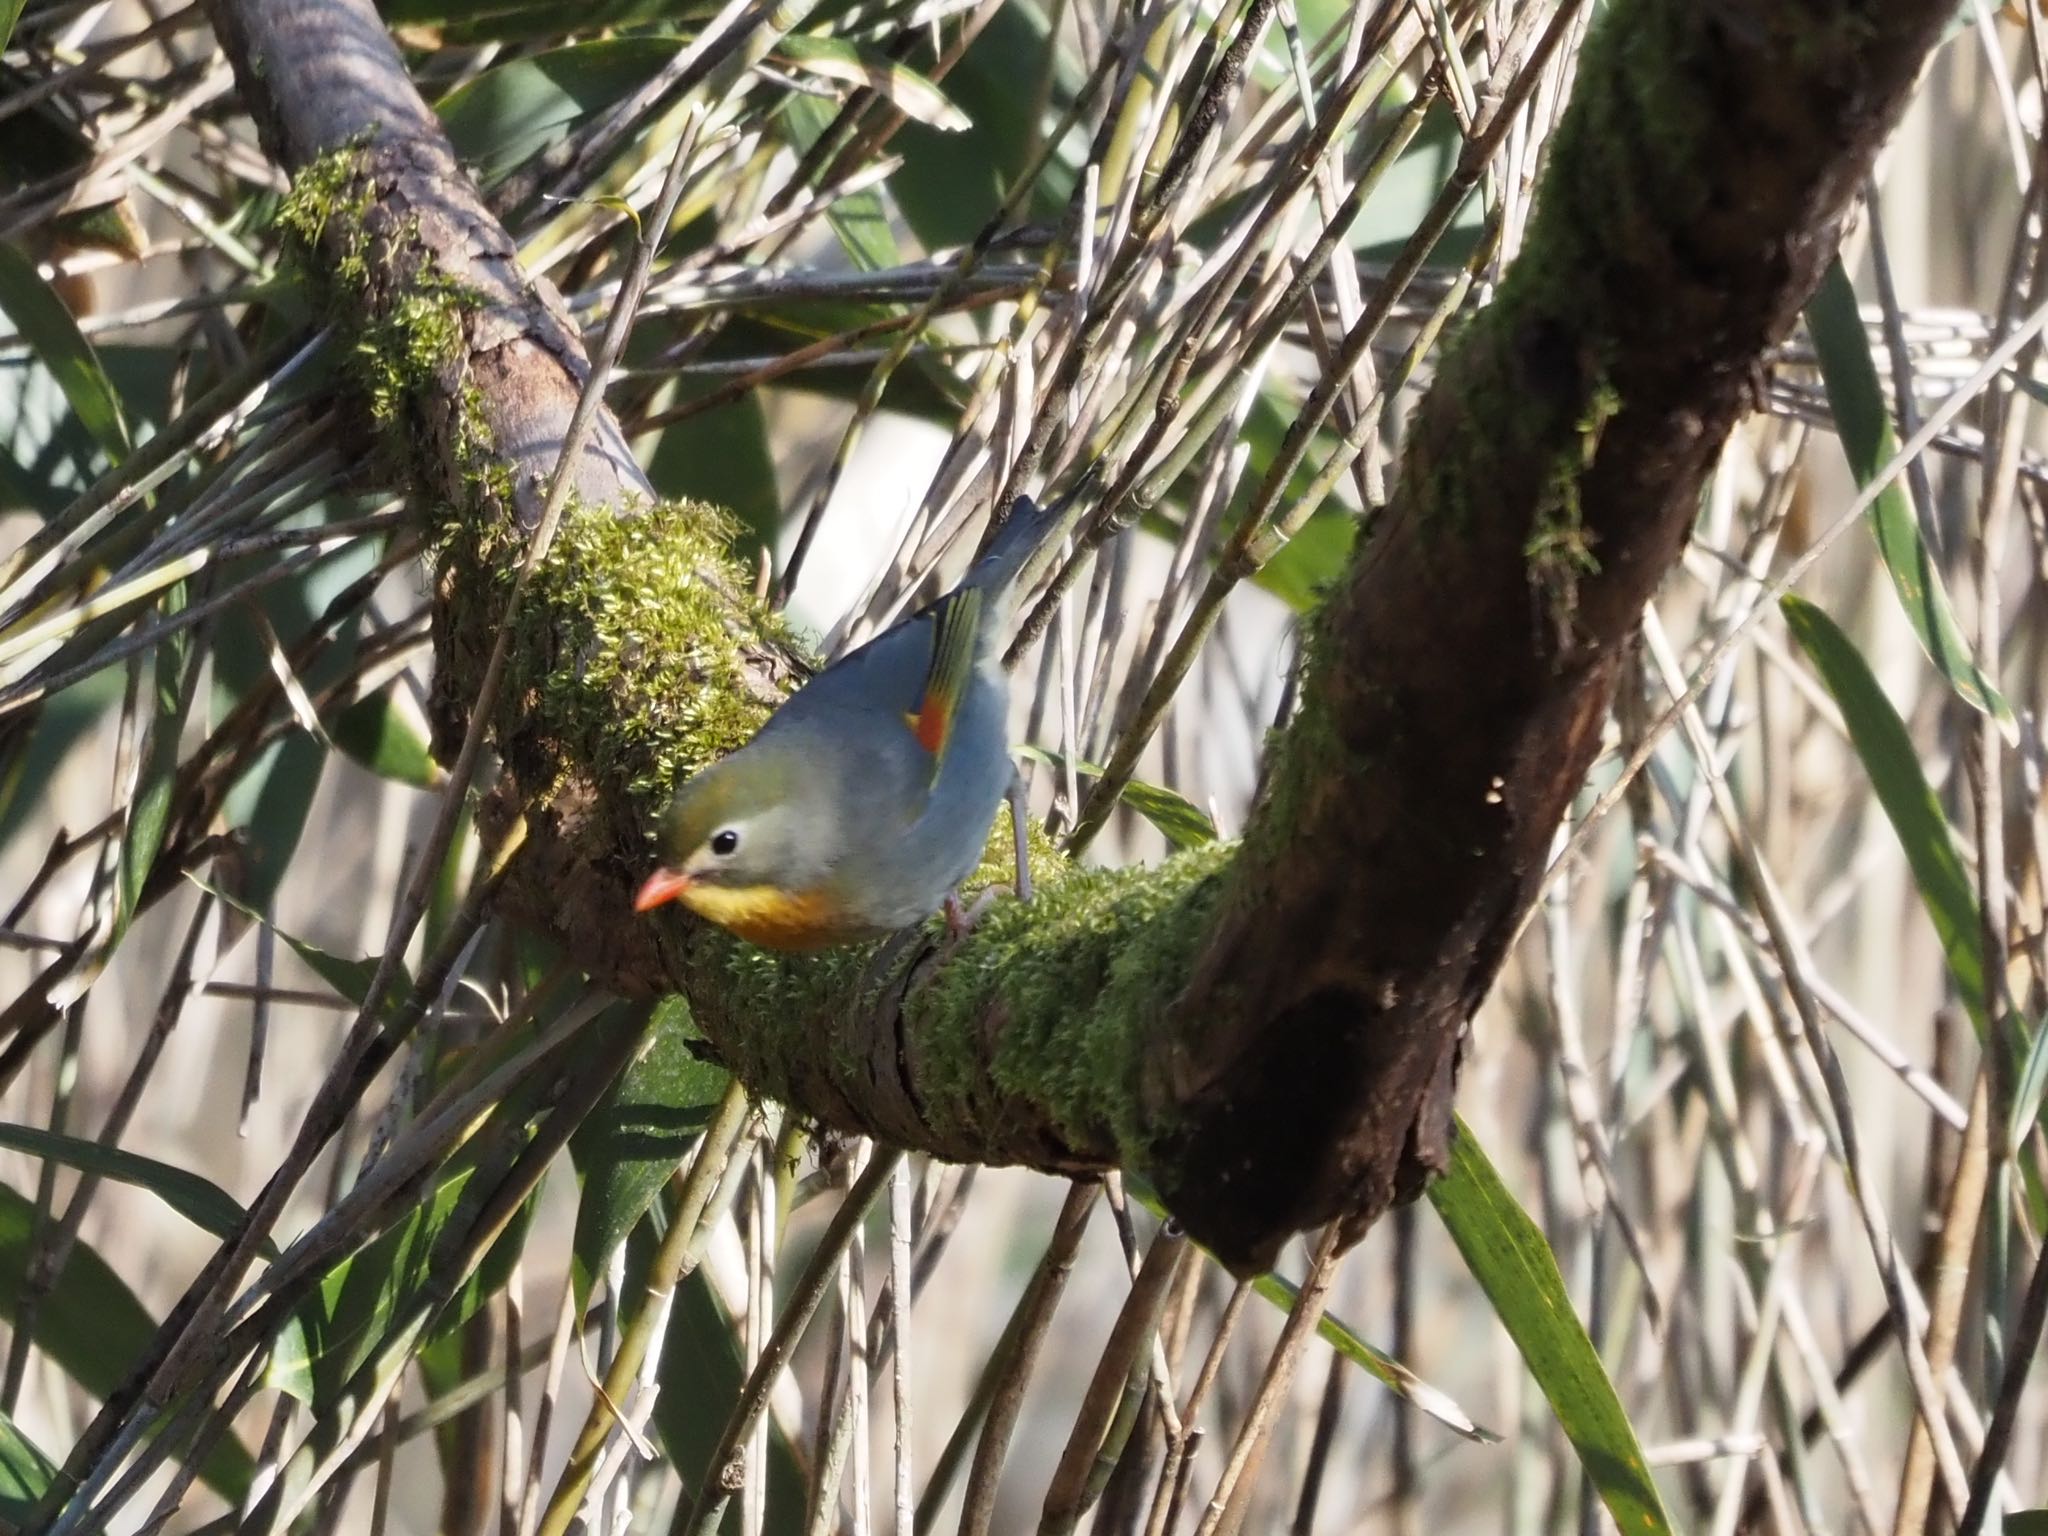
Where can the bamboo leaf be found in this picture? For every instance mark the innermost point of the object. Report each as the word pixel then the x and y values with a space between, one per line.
pixel 341 1323
pixel 859 219
pixel 913 94
pixel 516 110
pixel 632 1141
pixel 25 1473
pixel 1880 739
pixel 175 686
pixel 46 325
pixel 1865 427
pixel 92 1327
pixel 350 978
pixel 385 734
pixel 1179 819
pixel 193 1196
pixel 2026 1093
pixel 701 1372
pixel 1377 1363
pixel 1340 1336
pixel 1515 1267
pixel 950 183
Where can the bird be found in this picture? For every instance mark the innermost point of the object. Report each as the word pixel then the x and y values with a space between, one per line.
pixel 867 796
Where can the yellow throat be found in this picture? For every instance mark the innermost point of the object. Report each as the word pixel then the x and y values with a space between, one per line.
pixel 765 915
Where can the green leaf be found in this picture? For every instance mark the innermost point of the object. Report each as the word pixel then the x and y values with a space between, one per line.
pixel 341 1323
pixel 950 183
pixel 1397 206
pixel 720 456
pixel 350 978
pixel 1507 1255
pixel 46 325
pixel 1178 818
pixel 1880 739
pixel 493 1271
pixel 25 1472
pixel 1340 1336
pixel 175 687
pixel 859 219
pixel 2027 1522
pixel 385 734
pixel 93 1328
pixel 701 1372
pixel 478 20
pixel 193 1196
pixel 632 1141
pixel 514 111
pixel 1865 427
pixel 2026 1094
pixel 51 457
pixel 917 97
pixel 1377 1363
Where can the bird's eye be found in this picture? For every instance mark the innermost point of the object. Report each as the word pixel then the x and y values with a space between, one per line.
pixel 725 843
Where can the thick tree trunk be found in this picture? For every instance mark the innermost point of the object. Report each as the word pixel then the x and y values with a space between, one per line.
pixel 1271 1037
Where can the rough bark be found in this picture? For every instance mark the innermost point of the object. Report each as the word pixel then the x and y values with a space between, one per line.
pixel 1461 674
pixel 1271 1037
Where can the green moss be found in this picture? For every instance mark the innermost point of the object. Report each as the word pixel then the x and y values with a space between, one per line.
pixel 635 667
pixel 397 342
pixel 786 997
pixel 1558 549
pixel 1075 984
pixel 330 188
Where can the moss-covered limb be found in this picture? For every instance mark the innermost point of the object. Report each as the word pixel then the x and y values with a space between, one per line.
pixel 1459 678
pixel 1020 1044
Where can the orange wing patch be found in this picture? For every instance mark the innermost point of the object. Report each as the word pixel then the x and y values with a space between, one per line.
pixel 956 623
pixel 930 724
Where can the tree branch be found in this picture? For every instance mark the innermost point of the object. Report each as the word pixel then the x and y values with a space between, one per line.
pixel 1459 678
pixel 1271 1037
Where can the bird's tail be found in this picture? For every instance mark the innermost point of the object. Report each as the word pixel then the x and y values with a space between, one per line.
pixel 1020 550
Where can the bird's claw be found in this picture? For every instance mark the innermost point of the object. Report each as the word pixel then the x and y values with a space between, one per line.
pixel 962 918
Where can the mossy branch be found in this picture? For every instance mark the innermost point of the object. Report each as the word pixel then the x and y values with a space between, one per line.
pixel 1271 1035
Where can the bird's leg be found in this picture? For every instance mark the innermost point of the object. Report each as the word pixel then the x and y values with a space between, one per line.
pixel 1020 810
pixel 960 919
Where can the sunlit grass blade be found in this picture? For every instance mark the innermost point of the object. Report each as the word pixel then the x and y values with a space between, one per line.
pixel 193 1196
pixel 1340 1336
pixel 1880 738
pixel 93 1328
pixel 1865 427
pixel 1513 1264
pixel 43 321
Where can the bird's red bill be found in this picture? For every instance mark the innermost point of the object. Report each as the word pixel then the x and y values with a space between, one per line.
pixel 663 885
